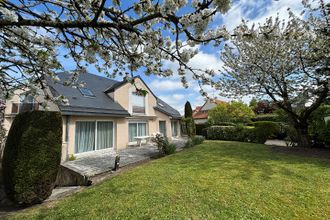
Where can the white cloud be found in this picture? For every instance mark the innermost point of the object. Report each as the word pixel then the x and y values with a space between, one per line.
pixel 166 84
pixel 256 11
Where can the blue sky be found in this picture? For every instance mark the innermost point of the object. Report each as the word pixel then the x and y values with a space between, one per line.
pixel 170 89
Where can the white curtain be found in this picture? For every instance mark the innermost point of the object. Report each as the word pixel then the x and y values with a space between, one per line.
pixel 162 127
pixel 85 136
pixel 174 128
pixel 136 129
pixel 104 134
pixel 132 131
pixel 142 129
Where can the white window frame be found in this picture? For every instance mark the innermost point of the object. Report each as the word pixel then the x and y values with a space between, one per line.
pixel 95 141
pixel 130 100
pixel 137 129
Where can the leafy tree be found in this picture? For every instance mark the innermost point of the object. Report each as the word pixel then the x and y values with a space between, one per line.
pixel 264 107
pixel 253 103
pixel 189 121
pixel 236 112
pixel 288 61
pixel 38 37
pixel 187 110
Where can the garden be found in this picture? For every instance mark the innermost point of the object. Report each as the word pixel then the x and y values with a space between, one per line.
pixel 263 120
pixel 213 180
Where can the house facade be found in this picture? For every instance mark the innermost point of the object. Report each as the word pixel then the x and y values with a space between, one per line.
pixel 104 114
pixel 201 113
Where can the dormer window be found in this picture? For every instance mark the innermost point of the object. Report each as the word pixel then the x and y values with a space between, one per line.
pixel 138 103
pixel 27 103
pixel 86 92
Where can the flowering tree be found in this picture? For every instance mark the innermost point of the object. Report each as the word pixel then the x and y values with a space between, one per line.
pixel 37 37
pixel 288 61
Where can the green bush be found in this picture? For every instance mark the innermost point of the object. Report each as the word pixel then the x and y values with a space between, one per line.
pixel 267 117
pixel 265 130
pixel 189 144
pixel 258 134
pixel 319 128
pixel 169 148
pixel 200 129
pixel 198 139
pixel 231 133
pixel 32 156
pixel 226 124
pixel 190 126
pixel 163 145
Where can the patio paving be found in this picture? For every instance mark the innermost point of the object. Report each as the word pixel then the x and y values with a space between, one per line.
pixel 94 163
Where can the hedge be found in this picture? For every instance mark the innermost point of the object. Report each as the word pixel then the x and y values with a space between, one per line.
pixel 267 117
pixel 32 156
pixel 258 134
pixel 265 130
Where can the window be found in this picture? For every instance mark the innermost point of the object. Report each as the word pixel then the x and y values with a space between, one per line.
pixel 138 103
pixel 86 92
pixel 136 129
pixel 162 127
pixel 26 104
pixel 174 125
pixel 93 135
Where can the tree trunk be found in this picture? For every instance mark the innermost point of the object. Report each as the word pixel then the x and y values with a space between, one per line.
pixel 303 139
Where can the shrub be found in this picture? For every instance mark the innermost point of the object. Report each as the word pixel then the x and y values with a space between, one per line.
pixel 231 133
pixel 265 130
pixel 72 157
pixel 163 145
pixel 319 128
pixel 198 139
pixel 200 129
pixel 267 117
pixel 189 144
pixel 259 134
pixel 190 126
pixel 32 156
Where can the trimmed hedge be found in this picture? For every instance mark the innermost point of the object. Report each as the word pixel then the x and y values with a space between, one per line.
pixel 200 129
pixel 267 117
pixel 231 133
pixel 198 139
pixel 32 156
pixel 258 134
pixel 265 130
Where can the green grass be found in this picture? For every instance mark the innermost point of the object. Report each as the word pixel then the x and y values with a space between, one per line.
pixel 215 180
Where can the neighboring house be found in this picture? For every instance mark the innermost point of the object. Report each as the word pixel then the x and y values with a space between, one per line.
pixel 201 115
pixel 104 114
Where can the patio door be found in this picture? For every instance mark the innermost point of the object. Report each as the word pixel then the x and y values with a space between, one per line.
pixel 93 135
pixel 162 127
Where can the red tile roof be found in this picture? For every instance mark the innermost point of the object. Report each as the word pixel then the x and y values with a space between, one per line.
pixel 198 114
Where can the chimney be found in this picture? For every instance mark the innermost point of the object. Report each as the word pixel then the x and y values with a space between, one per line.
pixel 126 77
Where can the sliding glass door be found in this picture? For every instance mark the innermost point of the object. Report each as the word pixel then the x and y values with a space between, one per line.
pixel 85 136
pixel 104 135
pixel 93 135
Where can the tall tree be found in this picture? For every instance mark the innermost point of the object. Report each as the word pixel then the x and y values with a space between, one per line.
pixel 187 110
pixel 188 120
pixel 288 61
pixel 38 37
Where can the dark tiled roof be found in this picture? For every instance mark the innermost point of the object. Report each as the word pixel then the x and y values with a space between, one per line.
pixel 79 104
pixel 167 109
pixel 101 104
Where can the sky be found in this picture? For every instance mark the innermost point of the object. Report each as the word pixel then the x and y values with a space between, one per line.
pixel 170 89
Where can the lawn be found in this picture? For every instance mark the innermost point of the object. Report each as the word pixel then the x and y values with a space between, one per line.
pixel 215 180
